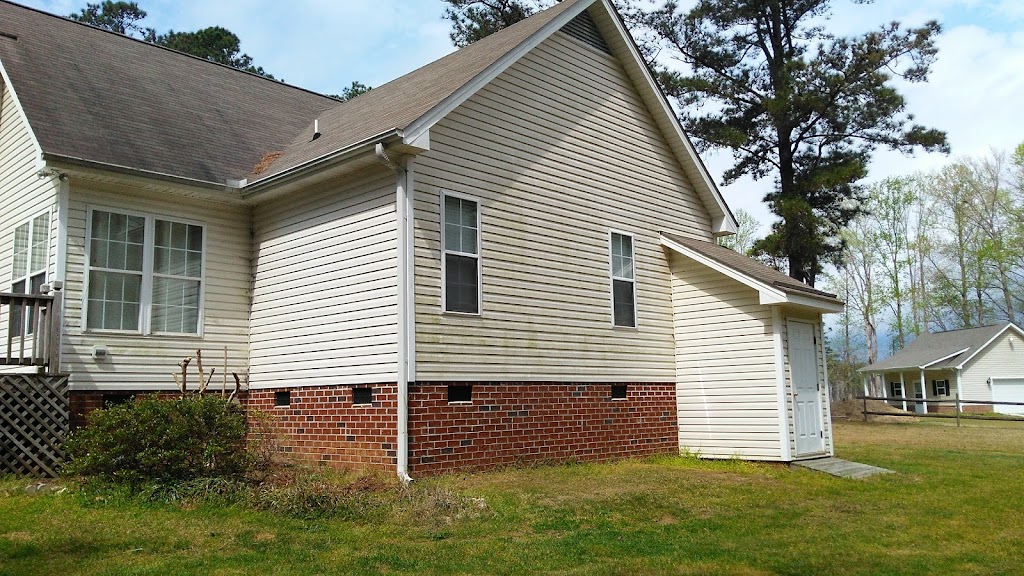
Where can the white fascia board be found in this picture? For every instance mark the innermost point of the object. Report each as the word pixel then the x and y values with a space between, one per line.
pixel 415 130
pixel 824 306
pixel 767 294
pixel 1009 326
pixel 723 223
pixel 24 117
pixel 253 190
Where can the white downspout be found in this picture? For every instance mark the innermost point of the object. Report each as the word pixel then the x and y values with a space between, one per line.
pixel 402 222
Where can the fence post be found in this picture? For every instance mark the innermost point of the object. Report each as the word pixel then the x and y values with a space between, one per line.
pixel 865 407
pixel 958 407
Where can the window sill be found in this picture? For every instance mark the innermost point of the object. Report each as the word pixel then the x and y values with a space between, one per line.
pixel 132 334
pixel 626 328
pixel 466 314
pixel 461 403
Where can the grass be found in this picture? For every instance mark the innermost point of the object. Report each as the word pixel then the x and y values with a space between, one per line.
pixel 954 506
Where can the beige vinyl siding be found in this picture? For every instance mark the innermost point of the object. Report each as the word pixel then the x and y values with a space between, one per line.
pixel 815 319
pixel 141 362
pixel 727 383
pixel 23 194
pixel 325 305
pixel 1003 358
pixel 559 150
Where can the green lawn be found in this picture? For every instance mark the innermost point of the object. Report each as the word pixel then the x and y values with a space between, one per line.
pixel 956 506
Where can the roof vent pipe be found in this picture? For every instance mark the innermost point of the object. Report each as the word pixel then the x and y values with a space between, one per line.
pixel 316 129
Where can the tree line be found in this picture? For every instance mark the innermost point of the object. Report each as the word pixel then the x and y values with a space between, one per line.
pixel 792 102
pixel 930 252
pixel 215 43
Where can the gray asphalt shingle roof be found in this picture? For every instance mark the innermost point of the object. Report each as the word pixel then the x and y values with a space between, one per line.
pixel 101 97
pixel 97 96
pixel 928 349
pixel 399 103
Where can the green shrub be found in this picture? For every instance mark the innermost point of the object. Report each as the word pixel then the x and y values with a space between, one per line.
pixel 161 440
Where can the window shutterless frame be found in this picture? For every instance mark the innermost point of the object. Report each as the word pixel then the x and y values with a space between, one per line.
pixel 445 251
pixel 35 265
pixel 30 268
pixel 147 274
pixel 614 277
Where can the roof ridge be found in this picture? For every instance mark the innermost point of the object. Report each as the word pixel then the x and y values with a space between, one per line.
pixel 171 50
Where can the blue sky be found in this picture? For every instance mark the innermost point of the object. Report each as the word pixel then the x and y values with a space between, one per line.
pixel 975 92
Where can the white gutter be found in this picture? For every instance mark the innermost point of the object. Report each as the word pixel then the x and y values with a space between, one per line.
pixel 402 367
pixel 253 188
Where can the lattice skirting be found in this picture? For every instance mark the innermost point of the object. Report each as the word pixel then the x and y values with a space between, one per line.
pixel 34 419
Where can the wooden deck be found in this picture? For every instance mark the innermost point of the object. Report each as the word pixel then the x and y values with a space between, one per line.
pixel 841 468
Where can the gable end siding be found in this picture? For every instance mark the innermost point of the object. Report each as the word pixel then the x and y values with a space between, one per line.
pixel 560 150
pixel 23 194
pixel 1003 358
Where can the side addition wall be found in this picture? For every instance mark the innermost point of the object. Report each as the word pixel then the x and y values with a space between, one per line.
pixel 137 362
pixel 727 384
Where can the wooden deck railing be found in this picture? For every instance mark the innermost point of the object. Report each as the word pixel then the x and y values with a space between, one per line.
pixel 33 328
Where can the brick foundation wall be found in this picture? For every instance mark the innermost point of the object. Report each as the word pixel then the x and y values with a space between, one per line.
pixel 503 424
pixel 322 425
pixel 520 423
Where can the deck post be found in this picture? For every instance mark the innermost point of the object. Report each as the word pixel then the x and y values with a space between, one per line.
pixel 55 329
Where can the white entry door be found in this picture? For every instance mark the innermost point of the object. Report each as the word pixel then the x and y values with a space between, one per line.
pixel 919 407
pixel 1008 390
pixel 803 361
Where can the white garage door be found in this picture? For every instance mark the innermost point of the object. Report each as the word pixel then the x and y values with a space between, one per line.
pixel 1008 390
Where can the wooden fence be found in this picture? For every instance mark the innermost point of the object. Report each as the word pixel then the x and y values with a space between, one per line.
pixel 957 404
pixel 34 421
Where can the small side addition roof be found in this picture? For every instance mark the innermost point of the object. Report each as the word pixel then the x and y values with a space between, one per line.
pixel 773 286
pixel 943 350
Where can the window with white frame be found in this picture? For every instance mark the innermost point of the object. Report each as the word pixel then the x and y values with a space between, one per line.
pixel 144 274
pixel 623 280
pixel 896 389
pixel 31 255
pixel 461 241
pixel 940 387
pixel 31 250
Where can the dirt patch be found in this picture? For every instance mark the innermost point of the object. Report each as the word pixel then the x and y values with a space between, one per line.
pixel 854 410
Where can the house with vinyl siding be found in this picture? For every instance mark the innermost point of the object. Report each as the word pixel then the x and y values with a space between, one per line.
pixel 504 256
pixel 983 365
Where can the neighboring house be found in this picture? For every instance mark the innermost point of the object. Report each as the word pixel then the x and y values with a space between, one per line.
pixel 504 256
pixel 983 364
